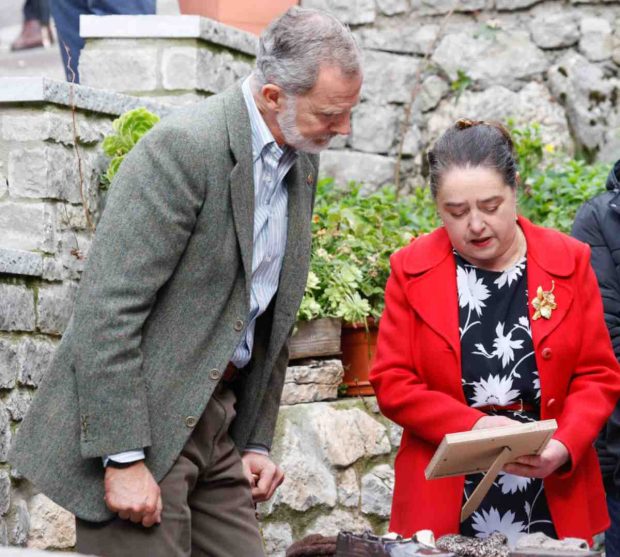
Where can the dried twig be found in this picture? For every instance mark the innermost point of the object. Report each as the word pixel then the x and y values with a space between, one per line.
pixel 417 85
pixel 76 148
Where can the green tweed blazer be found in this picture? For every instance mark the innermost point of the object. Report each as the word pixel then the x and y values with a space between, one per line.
pixel 161 307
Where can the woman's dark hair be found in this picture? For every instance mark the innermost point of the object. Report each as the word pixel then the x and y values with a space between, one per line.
pixel 470 143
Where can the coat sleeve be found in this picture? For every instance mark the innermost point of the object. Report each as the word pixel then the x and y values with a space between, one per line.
pixel 150 214
pixel 401 391
pixel 594 387
pixel 589 229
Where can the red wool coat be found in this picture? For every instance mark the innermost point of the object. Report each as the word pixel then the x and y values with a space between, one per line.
pixel 417 377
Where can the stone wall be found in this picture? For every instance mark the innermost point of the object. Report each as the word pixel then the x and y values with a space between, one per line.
pixel 555 62
pixel 44 240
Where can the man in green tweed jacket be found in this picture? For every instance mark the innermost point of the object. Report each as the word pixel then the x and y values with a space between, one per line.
pixel 155 420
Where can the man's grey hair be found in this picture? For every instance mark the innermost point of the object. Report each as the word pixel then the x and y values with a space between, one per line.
pixel 293 48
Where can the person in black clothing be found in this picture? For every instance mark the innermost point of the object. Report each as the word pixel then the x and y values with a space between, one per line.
pixel 598 224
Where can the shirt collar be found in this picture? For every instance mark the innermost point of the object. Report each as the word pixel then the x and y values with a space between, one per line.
pixel 261 135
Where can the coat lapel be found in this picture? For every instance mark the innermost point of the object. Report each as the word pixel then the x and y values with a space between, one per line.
pixel 548 266
pixel 433 277
pixel 242 176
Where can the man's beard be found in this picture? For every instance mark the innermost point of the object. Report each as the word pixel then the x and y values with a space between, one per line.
pixel 293 137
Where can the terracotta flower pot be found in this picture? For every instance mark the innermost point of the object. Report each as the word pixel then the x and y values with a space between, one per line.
pixel 248 15
pixel 358 352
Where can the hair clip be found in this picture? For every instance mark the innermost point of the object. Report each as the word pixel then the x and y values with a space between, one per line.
pixel 464 123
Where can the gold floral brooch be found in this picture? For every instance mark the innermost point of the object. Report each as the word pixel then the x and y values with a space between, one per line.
pixel 544 303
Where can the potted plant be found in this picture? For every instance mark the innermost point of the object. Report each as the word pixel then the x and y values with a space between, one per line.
pixel 353 238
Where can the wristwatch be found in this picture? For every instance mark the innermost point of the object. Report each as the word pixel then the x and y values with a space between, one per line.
pixel 114 464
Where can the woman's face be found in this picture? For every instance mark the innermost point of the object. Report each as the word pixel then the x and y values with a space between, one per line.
pixel 479 212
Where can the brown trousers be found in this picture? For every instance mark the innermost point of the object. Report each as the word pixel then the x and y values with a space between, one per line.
pixel 207 503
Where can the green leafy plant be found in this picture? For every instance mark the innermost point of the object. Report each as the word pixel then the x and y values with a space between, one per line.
pixel 460 84
pixel 128 130
pixel 353 238
pixel 553 187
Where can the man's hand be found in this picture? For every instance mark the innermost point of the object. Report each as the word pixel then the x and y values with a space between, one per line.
pixel 554 455
pixel 133 493
pixel 263 474
pixel 494 421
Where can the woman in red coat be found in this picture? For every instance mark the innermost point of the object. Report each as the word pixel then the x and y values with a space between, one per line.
pixel 488 320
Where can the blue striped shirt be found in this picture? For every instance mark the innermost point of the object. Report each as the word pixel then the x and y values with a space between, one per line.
pixel 271 164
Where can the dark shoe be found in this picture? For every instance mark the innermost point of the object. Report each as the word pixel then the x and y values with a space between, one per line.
pixel 30 37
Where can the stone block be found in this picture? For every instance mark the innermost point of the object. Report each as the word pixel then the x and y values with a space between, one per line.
pixel 315 381
pixel 219 70
pixel 122 66
pixel 18 402
pixel 331 524
pixel 345 436
pixel 4 184
pixel 5 492
pixel 381 69
pixel 344 166
pixel 503 59
pixel 4 541
pixel 588 97
pixel 51 526
pixel 19 262
pixel 433 89
pixel 9 363
pixel 555 30
pixel 54 308
pixel 179 68
pixel 444 6
pixel 348 488
pixel 18 523
pixel 16 308
pixel 377 489
pixel 412 145
pixel 34 356
pixel 5 433
pixel 407 38
pixel 54 124
pixel 393 7
pixel 308 481
pixel 373 127
pixel 596 42
pixel 395 432
pixel 27 226
pixel 277 537
pixel 352 12
pixel 510 5
pixel 51 172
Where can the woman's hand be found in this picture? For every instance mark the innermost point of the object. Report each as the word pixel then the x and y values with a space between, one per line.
pixel 494 421
pixel 554 455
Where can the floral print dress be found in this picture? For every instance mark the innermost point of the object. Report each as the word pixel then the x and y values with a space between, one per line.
pixel 499 370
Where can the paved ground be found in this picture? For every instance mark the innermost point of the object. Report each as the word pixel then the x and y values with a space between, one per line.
pixel 44 61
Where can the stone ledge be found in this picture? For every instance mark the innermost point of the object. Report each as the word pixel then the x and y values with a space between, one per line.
pixel 168 27
pixel 43 90
pixel 18 262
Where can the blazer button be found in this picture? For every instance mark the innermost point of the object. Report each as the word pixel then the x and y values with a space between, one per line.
pixel 546 353
pixel 191 421
pixel 551 402
pixel 310 179
pixel 238 325
pixel 215 374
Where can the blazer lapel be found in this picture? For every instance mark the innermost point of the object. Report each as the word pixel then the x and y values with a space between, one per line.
pixel 548 266
pixel 242 176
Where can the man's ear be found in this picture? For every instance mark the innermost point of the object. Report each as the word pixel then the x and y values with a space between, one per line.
pixel 273 97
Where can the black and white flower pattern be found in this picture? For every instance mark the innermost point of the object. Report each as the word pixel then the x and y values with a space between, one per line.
pixel 498 371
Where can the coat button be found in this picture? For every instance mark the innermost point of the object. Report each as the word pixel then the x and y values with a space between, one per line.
pixel 551 402
pixel 238 325
pixel 310 179
pixel 546 353
pixel 191 421
pixel 215 374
